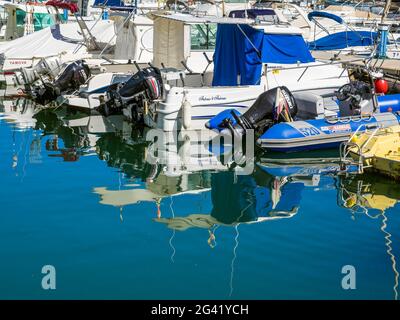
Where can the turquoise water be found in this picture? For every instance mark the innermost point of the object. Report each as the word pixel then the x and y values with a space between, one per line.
pixel 78 193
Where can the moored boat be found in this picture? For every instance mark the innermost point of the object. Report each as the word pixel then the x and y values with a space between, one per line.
pixel 251 56
pixel 375 150
pixel 287 123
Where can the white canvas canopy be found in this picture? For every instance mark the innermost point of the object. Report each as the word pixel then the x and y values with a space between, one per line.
pixel 133 37
pixel 172 39
pixel 126 40
pixel 169 42
pixel 56 40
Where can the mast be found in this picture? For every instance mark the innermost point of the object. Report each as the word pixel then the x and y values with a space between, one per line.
pixel 386 9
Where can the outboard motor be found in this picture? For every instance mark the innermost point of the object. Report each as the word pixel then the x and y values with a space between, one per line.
pixel 49 66
pixel 71 78
pixel 142 88
pixel 273 106
pixel 147 81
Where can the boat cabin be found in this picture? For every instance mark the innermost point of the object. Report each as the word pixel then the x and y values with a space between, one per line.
pixel 252 47
pixel 24 18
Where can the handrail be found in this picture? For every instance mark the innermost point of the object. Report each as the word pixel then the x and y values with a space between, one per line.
pixel 369 139
pixel 318 65
pixel 358 130
pixel 345 147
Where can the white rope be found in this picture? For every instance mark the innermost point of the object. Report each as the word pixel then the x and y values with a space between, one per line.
pixel 173 233
pixel 237 245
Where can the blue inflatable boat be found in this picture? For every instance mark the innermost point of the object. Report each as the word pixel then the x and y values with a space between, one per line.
pixel 321 133
pixel 305 134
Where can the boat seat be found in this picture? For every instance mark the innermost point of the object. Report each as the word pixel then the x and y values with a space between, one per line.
pixel 331 106
pixel 314 106
pixel 309 105
pixel 172 74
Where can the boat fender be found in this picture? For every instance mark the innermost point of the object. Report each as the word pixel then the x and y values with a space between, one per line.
pixel 381 86
pixel 186 113
pixel 354 139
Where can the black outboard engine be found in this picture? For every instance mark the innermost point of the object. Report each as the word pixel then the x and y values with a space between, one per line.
pixel 273 106
pixel 71 78
pixel 141 89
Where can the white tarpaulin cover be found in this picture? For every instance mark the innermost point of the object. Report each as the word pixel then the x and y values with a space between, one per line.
pixel 126 42
pixel 62 38
pixel 169 43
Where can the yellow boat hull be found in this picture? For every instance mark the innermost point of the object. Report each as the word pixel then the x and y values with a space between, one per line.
pixel 380 151
pixel 389 166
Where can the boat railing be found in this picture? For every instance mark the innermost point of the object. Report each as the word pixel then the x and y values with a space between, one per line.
pixel 344 151
pixel 358 3
pixel 373 134
pixel 306 68
pixel 364 125
pixel 343 120
pixel 348 146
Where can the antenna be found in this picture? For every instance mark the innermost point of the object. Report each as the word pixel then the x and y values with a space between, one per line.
pixel 386 10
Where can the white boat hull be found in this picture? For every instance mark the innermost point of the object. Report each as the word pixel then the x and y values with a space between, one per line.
pixel 206 102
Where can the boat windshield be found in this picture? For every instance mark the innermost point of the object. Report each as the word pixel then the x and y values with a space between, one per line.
pixel 203 36
pixel 40 20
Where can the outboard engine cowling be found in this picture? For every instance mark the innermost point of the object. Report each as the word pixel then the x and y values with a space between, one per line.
pixel 142 88
pixel 273 106
pixel 71 78
pixel 46 66
pixel 147 81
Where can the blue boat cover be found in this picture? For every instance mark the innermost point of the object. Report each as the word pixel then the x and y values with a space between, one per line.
pixel 123 8
pixel 251 13
pixel 240 51
pixel 321 14
pixel 344 39
pixel 108 3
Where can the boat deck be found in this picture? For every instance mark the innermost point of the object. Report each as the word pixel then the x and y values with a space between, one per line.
pixel 389 66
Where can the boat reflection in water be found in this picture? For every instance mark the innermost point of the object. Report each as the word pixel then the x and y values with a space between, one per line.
pixel 20 115
pixel 191 191
pixel 19 112
pixel 372 195
pixel 166 172
pixel 235 199
pixel 271 192
pixel 243 199
pixel 78 132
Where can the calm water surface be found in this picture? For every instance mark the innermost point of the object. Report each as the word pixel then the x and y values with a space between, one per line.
pixel 78 193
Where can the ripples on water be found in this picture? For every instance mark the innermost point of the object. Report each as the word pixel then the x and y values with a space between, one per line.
pixel 77 192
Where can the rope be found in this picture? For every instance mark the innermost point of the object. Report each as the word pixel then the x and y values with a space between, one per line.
pixel 237 245
pixel 173 233
pixel 252 44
